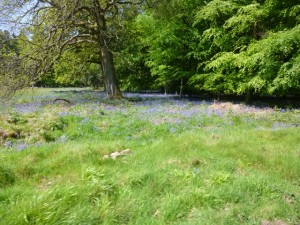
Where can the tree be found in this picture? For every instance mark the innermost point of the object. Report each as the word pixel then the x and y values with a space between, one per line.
pixel 10 64
pixel 248 47
pixel 169 35
pixel 54 26
pixel 133 73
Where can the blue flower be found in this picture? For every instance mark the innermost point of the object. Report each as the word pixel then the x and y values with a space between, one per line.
pixel 21 146
pixel 8 144
pixel 172 130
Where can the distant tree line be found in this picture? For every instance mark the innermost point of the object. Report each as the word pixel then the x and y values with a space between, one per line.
pixel 247 47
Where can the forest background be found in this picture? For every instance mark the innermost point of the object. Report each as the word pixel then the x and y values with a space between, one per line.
pixel 245 47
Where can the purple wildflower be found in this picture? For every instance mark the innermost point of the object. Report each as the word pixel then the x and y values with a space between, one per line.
pixel 21 146
pixel 8 144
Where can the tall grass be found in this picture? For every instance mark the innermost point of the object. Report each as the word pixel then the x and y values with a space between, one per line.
pixel 191 162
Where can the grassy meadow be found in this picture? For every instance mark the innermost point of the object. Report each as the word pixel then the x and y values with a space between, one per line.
pixel 189 161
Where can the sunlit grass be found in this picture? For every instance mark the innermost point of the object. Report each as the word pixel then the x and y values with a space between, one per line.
pixel 191 163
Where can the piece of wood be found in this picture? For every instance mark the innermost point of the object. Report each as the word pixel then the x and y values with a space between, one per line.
pixel 62 99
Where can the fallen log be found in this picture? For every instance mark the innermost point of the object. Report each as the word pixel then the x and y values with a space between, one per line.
pixel 61 99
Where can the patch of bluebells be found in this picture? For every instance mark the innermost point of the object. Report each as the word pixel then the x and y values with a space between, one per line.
pixel 230 123
pixel 31 107
pixel 175 111
pixel 21 146
pixel 172 130
pixel 281 125
pixel 84 121
pixel 63 114
pixel 96 128
pixel 62 139
pixel 174 114
pixel 155 108
pixel 8 144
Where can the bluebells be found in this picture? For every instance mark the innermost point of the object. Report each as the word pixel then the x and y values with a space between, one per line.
pixel 28 107
pixel 21 146
pixel 172 130
pixel 63 114
pixel 281 125
pixel 62 139
pixel 91 113
pixel 84 121
pixel 230 123
pixel 96 128
pixel 8 144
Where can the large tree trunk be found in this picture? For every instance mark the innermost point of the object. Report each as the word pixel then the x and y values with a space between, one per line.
pixel 111 82
pixel 107 61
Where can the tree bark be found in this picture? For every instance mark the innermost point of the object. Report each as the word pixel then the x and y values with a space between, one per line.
pixel 248 98
pixel 107 61
pixel 181 88
pixel 111 82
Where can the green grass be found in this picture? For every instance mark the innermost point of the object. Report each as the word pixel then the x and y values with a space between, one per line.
pixel 234 168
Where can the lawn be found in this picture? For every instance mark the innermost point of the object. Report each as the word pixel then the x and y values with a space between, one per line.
pixel 186 161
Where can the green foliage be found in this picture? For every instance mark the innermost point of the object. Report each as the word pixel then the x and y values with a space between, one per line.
pixel 16 118
pixel 11 69
pixel 170 40
pixel 268 66
pixel 242 52
pixel 134 75
pixel 72 70
pixel 215 12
